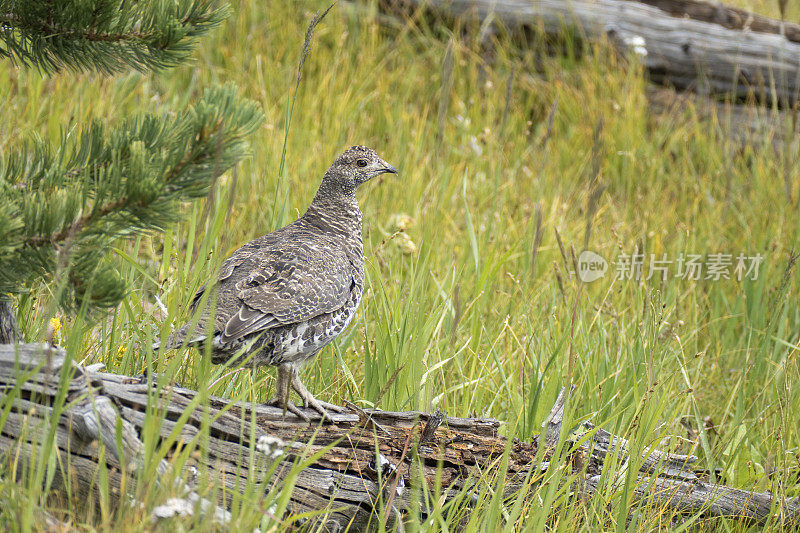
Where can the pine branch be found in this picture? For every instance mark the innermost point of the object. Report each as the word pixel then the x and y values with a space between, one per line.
pixel 104 35
pixel 75 227
pixel 103 211
pixel 64 208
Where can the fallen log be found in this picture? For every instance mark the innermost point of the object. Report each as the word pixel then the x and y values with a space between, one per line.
pixel 743 125
pixel 687 44
pixel 365 460
pixel 697 51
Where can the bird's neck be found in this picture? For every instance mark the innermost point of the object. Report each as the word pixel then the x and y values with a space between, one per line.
pixel 335 212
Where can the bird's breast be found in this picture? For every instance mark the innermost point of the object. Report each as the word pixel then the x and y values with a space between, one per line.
pixel 297 342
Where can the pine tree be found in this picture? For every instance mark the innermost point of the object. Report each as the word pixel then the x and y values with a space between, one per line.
pixel 61 207
pixel 104 35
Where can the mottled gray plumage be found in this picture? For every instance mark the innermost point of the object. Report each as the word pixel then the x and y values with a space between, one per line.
pixel 285 295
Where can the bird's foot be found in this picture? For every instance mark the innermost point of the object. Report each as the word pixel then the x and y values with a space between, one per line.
pixel 325 405
pixel 321 407
pixel 318 405
pixel 286 405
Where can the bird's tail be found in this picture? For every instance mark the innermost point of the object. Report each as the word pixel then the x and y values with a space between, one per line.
pixel 181 338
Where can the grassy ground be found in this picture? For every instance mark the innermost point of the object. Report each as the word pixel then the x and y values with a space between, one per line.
pixel 463 310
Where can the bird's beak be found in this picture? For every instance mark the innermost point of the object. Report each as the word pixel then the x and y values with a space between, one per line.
pixel 386 168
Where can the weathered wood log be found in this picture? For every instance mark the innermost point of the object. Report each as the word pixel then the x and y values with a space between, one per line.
pixel 697 70
pixel 742 124
pixel 365 457
pixel 688 44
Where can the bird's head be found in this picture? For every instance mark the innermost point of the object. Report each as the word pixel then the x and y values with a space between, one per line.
pixel 355 166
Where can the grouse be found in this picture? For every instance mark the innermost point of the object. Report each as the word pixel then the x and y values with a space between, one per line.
pixel 280 298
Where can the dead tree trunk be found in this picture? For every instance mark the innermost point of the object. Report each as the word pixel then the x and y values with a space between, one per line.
pixel 8 322
pixel 365 457
pixel 706 48
pixel 688 44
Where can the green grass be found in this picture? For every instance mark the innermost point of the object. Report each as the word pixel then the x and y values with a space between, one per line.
pixel 457 314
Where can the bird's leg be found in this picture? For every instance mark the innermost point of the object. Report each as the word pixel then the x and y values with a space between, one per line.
pixel 282 389
pixel 310 401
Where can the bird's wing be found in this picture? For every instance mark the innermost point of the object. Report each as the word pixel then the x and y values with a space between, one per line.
pixel 225 271
pixel 286 286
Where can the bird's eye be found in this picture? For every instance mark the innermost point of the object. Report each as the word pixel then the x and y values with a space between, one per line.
pixel 361 162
